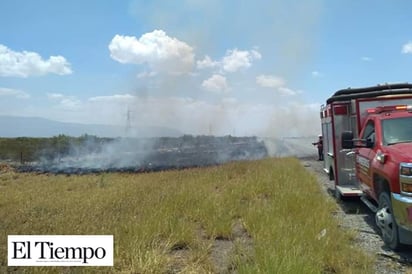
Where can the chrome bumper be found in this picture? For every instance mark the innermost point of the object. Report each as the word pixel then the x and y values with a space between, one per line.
pixel 402 210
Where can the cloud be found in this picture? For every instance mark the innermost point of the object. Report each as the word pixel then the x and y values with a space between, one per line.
pixel 229 100
pixel 216 83
pixel 113 98
pixel 269 81
pixel 207 62
pixel 159 51
pixel 366 59
pixel 233 60
pixel 238 59
pixel 70 103
pixel 146 74
pixel 14 93
pixel 287 91
pixel 316 74
pixel 55 95
pixel 27 63
pixel 407 48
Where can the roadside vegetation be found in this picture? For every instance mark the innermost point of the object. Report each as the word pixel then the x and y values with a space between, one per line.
pixel 266 216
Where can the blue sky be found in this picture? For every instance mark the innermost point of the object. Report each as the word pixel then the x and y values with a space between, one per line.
pixel 220 67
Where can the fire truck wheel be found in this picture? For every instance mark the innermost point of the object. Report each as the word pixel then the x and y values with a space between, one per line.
pixel 386 222
pixel 338 195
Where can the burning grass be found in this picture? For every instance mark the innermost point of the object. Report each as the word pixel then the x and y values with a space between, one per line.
pixel 266 216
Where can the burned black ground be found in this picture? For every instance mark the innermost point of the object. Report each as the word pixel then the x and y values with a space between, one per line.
pixel 147 155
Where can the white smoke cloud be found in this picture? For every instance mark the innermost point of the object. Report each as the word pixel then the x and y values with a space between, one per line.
pixel 229 100
pixel 156 49
pixel 277 83
pixel 19 94
pixel 188 115
pixel 27 63
pixel 288 51
pixel 146 74
pixel 407 48
pixel 216 83
pixel 287 91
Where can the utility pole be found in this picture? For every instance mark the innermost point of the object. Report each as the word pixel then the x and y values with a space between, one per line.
pixel 128 121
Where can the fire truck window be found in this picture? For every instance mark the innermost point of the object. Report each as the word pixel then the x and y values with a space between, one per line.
pixel 397 130
pixel 369 129
pixel 369 133
pixel 371 138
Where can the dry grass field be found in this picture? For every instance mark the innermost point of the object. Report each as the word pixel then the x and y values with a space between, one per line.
pixel 266 216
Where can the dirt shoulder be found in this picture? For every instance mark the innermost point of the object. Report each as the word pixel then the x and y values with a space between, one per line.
pixel 357 217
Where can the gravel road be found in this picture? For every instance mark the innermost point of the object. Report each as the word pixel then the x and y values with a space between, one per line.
pixel 356 216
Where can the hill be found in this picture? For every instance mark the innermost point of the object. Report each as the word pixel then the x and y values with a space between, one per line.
pixel 14 126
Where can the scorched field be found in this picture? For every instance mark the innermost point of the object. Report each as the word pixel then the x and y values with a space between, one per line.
pixel 262 216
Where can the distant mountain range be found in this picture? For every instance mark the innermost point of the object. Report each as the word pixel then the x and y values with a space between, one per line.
pixel 14 126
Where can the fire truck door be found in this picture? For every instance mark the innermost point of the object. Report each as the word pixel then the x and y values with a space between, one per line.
pixel 365 154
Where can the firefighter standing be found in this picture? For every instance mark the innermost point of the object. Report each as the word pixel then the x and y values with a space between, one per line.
pixel 319 144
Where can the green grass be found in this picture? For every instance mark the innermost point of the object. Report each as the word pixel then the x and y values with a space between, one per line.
pixel 277 201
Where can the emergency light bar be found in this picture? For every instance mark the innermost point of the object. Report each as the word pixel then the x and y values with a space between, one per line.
pixel 389 108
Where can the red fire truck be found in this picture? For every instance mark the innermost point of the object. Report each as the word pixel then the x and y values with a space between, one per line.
pixel 367 140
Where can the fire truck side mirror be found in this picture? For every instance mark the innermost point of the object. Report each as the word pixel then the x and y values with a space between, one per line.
pixel 347 140
pixel 369 143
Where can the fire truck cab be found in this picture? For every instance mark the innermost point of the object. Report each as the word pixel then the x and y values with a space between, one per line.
pixel 367 140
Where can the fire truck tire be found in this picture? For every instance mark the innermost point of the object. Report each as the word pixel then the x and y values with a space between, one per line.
pixel 338 195
pixel 331 174
pixel 386 223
